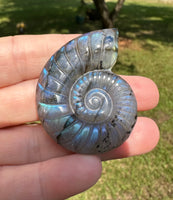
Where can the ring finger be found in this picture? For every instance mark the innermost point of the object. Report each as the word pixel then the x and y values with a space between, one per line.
pixel 30 144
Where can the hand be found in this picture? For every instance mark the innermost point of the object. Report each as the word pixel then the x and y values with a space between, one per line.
pixel 32 165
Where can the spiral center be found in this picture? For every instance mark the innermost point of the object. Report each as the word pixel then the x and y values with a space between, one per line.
pixel 96 99
pixel 89 102
pixel 94 102
pixel 93 99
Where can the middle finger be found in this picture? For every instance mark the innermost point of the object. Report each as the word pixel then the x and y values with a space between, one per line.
pixel 18 101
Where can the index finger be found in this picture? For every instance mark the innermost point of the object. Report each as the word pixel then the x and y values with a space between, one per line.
pixel 23 57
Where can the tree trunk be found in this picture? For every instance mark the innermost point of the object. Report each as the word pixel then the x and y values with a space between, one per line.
pixel 106 17
pixel 104 13
pixel 116 10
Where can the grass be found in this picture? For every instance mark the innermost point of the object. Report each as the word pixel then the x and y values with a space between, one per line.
pixel 146 29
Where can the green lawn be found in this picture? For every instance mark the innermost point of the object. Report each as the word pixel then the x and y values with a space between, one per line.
pixel 147 29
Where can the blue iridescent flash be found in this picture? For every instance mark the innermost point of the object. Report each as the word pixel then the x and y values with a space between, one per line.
pixel 81 103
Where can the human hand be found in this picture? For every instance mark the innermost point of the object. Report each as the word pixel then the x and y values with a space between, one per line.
pixel 32 165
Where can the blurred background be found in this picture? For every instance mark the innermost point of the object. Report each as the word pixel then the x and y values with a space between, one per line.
pixel 145 49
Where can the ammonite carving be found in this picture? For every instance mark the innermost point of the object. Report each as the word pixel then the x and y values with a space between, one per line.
pixel 82 104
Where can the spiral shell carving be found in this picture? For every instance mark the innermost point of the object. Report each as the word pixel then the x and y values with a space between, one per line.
pixel 82 104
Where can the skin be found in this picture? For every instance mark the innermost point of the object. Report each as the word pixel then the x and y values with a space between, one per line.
pixel 32 165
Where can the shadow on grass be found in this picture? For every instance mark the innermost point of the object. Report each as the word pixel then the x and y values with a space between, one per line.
pixel 124 68
pixel 39 16
pixel 58 16
pixel 147 22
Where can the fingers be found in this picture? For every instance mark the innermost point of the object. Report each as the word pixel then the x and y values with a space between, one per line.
pixel 18 101
pixel 57 178
pixel 28 144
pixel 146 92
pixel 23 57
pixel 18 104
pixel 143 139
